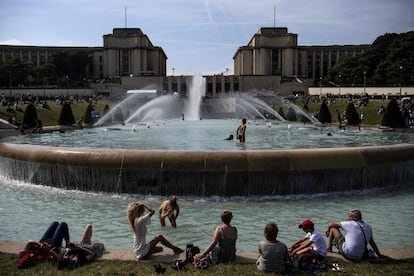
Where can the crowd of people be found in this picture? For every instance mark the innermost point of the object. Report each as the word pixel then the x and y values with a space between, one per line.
pixel 351 239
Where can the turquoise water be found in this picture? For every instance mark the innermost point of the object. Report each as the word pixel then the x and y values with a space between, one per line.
pixel 26 210
pixel 211 134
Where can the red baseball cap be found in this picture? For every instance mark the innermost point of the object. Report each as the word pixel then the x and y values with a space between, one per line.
pixel 306 224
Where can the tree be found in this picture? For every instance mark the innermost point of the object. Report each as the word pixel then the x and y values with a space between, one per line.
pixel 118 116
pixel 30 117
pixel 281 113
pixel 47 73
pixel 66 115
pixel 392 115
pixel 352 115
pixel 324 114
pixel 14 71
pixel 87 118
pixel 291 116
pixel 71 66
pixel 381 62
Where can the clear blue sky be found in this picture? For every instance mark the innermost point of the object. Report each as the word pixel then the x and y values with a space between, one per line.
pixel 201 36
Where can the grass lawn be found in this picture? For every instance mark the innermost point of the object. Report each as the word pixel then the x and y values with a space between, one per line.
pixel 116 267
pixel 50 117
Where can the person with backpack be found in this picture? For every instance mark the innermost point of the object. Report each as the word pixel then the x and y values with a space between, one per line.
pixel 353 246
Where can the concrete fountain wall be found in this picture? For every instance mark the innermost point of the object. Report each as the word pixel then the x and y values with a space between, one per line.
pixel 208 173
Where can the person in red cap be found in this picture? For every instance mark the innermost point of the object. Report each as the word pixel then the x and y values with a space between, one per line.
pixel 312 246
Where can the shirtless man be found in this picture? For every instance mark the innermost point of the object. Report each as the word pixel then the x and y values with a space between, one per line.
pixel 241 131
pixel 169 208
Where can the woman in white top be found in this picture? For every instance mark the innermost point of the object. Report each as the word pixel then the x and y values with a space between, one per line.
pixel 138 222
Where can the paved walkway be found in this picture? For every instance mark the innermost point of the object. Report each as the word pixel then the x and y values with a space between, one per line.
pixel 169 256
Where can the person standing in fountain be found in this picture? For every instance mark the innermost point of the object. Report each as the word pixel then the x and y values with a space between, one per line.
pixel 353 246
pixel 138 222
pixel 169 208
pixel 241 131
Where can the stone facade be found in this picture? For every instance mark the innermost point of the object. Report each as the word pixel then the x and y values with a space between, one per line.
pixel 272 60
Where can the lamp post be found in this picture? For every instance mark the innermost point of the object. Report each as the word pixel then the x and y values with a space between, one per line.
pixel 339 85
pixel 365 76
pixel 10 83
pixel 173 69
pixel 400 80
pixel 67 85
pixel 320 86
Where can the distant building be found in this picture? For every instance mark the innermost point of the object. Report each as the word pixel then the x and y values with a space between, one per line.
pixel 126 52
pixel 271 61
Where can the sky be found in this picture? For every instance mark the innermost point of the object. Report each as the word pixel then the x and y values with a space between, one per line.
pixel 200 36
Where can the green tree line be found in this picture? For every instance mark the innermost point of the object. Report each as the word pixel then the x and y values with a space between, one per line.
pixel 389 61
pixel 67 69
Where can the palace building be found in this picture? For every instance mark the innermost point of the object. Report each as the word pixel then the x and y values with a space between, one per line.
pixel 271 61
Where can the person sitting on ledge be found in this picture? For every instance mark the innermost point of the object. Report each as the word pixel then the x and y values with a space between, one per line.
pixel 138 222
pixel 222 248
pixel 353 246
pixel 273 254
pixel 311 247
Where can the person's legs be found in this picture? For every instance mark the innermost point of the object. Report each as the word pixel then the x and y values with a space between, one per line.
pixel 172 220
pixel 164 241
pixel 334 233
pixel 307 255
pixel 87 234
pixel 62 232
pixel 161 217
pixel 48 235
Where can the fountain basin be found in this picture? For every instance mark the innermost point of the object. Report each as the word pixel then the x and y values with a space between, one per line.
pixel 210 173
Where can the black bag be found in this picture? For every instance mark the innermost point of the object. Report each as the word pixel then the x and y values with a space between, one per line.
pixel 190 252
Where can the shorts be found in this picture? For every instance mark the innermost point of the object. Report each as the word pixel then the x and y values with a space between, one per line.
pixel 338 242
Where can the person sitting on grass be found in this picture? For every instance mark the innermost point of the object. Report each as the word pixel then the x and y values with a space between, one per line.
pixel 79 254
pixel 35 252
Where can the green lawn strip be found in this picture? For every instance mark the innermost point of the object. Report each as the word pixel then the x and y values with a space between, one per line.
pixel 117 267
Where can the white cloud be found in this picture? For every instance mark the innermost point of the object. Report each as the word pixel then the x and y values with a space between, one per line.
pixel 11 42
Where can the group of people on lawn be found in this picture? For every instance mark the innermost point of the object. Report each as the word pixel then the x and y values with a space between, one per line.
pixel 274 255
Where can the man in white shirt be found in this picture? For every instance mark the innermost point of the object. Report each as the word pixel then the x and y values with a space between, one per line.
pixel 358 234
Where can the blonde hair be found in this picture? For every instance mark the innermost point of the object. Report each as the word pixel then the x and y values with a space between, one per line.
pixel 134 211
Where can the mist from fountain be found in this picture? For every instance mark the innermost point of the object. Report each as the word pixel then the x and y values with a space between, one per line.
pixel 197 92
pixel 175 106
